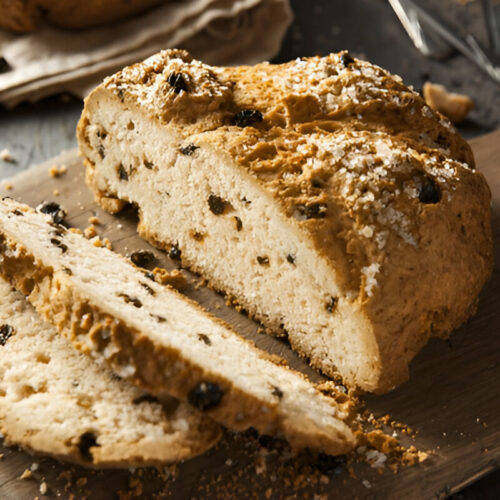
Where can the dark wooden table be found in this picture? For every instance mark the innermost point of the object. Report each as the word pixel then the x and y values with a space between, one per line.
pixel 369 28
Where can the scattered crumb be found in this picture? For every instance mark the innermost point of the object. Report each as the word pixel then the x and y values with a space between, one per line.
pixel 1 456
pixel 26 474
pixel 107 244
pixel 366 483
pixel 454 106
pixel 65 474
pixel 5 155
pixel 175 278
pixel 81 481
pixel 43 488
pixel 97 242
pixel 119 226
pixel 201 283
pixel 375 458
pixel 135 484
pixel 8 186
pixel 94 220
pixel 75 230
pixel 34 467
pixel 56 192
pixel 90 231
pixel 57 171
pixel 260 465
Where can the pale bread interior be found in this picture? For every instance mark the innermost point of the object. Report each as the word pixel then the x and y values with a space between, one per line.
pixel 173 194
pixel 55 400
pixel 284 401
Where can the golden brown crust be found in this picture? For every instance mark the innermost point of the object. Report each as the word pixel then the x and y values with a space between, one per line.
pixel 28 15
pixel 304 95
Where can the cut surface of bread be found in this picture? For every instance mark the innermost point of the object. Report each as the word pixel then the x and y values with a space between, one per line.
pixel 155 337
pixel 55 400
pixel 322 194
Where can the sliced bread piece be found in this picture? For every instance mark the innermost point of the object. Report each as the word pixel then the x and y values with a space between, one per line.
pixel 155 337
pixel 55 400
pixel 323 194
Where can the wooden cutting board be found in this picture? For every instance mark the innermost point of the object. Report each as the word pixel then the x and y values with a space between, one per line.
pixel 452 400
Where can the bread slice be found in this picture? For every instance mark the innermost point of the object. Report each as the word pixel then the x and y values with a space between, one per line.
pixel 56 401
pixel 323 194
pixel 157 338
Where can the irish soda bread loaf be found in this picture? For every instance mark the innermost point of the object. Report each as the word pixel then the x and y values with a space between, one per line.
pixel 323 194
pixel 28 15
pixel 55 400
pixel 157 338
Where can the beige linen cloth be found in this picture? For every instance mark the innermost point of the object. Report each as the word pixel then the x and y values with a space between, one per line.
pixel 216 31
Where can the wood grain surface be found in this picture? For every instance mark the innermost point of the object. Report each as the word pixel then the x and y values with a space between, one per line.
pixel 452 400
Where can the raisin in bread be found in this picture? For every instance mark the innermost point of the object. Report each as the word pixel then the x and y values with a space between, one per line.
pixel 155 337
pixel 28 15
pixel 322 194
pixel 56 401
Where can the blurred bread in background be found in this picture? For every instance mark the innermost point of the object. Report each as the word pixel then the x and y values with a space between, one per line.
pixel 29 15
pixel 454 106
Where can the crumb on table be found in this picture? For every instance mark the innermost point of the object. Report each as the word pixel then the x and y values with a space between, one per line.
pixel 6 155
pixel 43 488
pixel 94 220
pixel 26 474
pixel 57 170
pixel 90 231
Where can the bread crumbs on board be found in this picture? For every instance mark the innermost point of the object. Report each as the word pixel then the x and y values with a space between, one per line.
pixel 57 170
pixel 248 465
pixel 26 474
pixel 5 155
pixel 90 231
pixel 94 220
pixel 43 488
